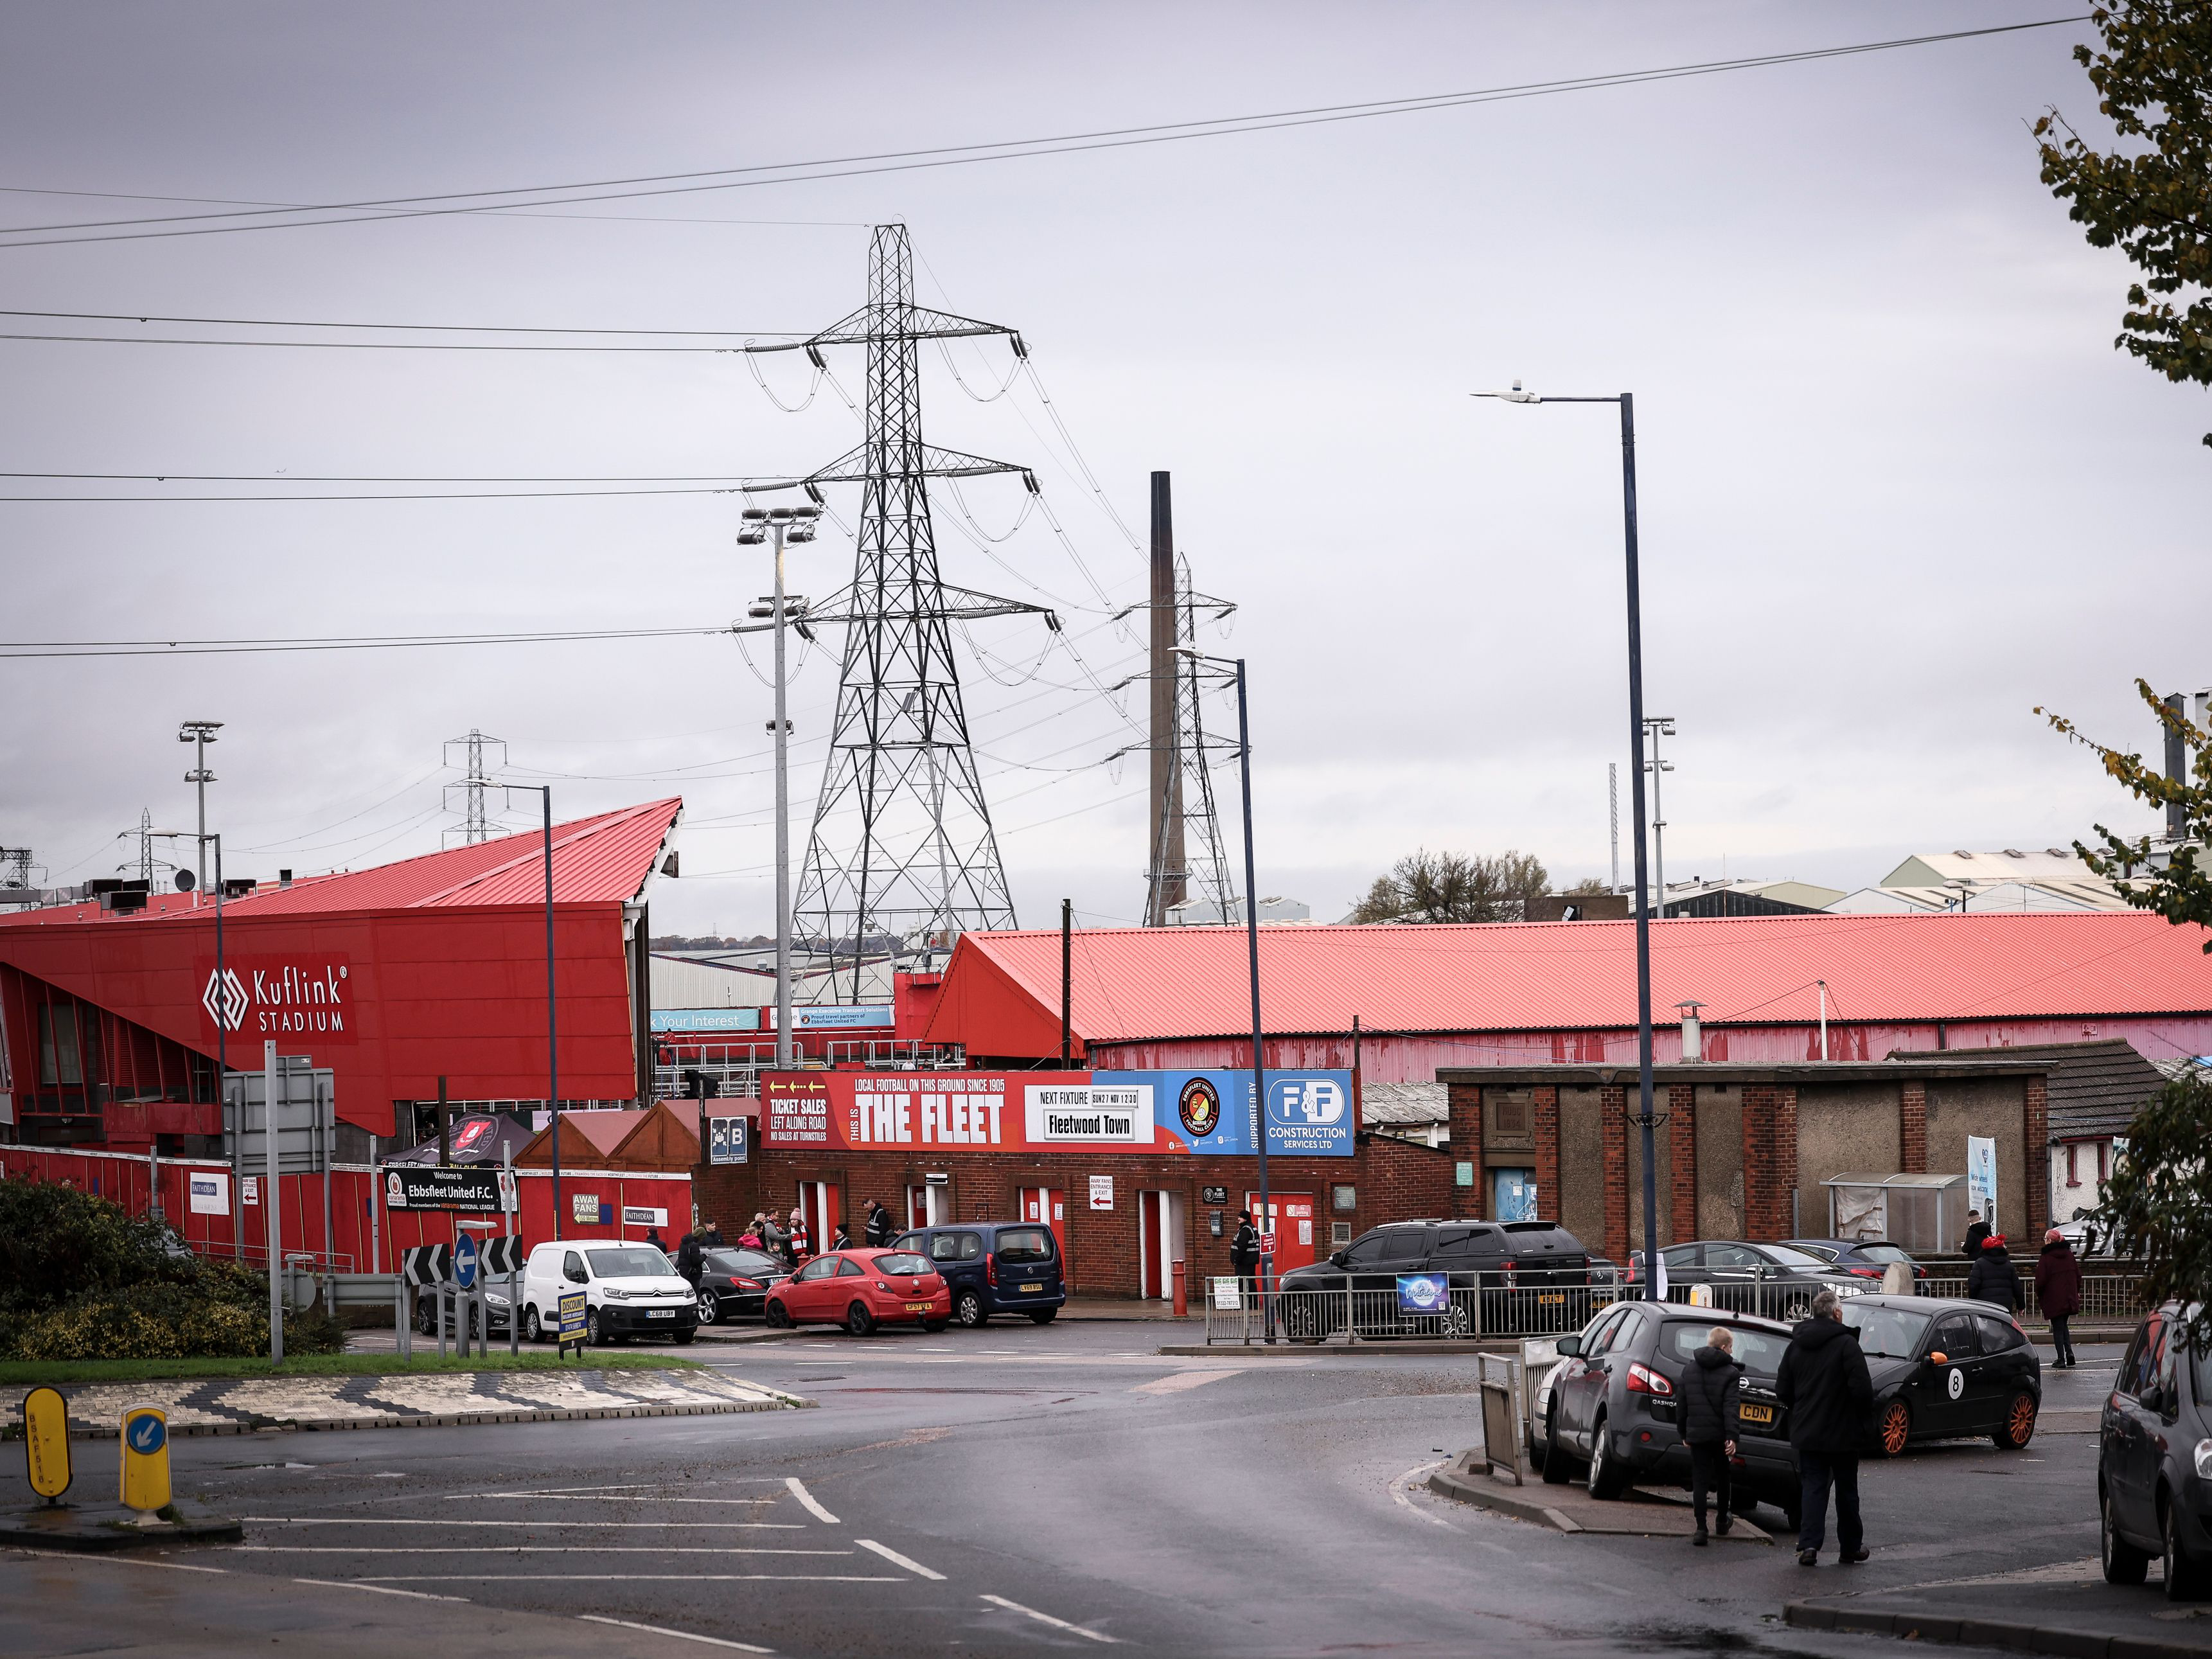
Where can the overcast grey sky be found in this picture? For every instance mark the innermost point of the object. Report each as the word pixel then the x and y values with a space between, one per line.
pixel 1898 487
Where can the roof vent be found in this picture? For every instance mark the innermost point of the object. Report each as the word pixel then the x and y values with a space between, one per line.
pixel 2060 851
pixel 2014 852
pixel 1961 852
pixel 283 877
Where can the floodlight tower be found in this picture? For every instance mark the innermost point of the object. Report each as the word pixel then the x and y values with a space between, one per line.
pixel 200 734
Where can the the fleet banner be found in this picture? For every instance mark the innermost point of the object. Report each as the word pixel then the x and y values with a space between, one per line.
pixel 1307 1114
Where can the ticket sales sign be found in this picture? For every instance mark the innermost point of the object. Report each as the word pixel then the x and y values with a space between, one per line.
pixel 1309 1113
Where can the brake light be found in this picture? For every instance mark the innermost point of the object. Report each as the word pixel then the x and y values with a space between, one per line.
pixel 991 1268
pixel 1642 1379
pixel 1866 1272
pixel 746 1284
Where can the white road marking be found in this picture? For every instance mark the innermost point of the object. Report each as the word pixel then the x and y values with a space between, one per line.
pixel 615 1579
pixel 1047 1618
pixel 517 1549
pixel 598 1497
pixel 141 1561
pixel 680 1635
pixel 1177 1382
pixel 562 1526
pixel 806 1500
pixel 1404 1501
pixel 376 1589
pixel 898 1560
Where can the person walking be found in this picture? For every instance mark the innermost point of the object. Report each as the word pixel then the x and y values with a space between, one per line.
pixel 2058 1292
pixel 710 1237
pixel 1993 1278
pixel 1823 1382
pixel 689 1260
pixel 1977 1231
pixel 1712 1403
pixel 879 1233
pixel 653 1238
pixel 1244 1256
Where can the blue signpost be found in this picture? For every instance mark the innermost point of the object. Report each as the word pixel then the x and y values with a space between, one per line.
pixel 465 1263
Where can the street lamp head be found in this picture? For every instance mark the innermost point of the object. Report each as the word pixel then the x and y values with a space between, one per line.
pixel 781 513
pixel 752 514
pixel 802 535
pixel 751 538
pixel 805 512
pixel 1515 396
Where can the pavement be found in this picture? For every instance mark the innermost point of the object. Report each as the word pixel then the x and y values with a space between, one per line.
pixel 1013 1491
pixel 234 1405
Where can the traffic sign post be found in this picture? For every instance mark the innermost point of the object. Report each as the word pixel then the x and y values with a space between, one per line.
pixel 46 1443
pixel 146 1463
pixel 464 1301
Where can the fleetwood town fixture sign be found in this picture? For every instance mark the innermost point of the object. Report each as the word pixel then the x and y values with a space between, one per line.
pixel 306 996
pixel 1309 1113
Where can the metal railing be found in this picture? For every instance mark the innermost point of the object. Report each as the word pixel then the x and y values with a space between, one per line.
pixel 1344 1313
pixel 2115 1297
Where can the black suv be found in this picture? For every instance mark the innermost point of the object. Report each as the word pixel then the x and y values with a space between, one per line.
pixel 1419 1277
pixel 995 1268
pixel 1613 1403
pixel 2154 1460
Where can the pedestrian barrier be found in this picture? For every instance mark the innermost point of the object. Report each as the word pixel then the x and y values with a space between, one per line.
pixel 2115 1297
pixel 1235 1314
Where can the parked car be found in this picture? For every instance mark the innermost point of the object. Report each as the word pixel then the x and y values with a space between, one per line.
pixel 995 1268
pixel 1611 1404
pixel 496 1310
pixel 630 1290
pixel 862 1289
pixel 734 1282
pixel 1536 1276
pixel 1865 1258
pixel 1771 1280
pixel 2155 1460
pixel 1946 1369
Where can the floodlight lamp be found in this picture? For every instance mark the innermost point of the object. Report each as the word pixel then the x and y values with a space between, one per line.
pixel 805 512
pixel 754 513
pixel 779 513
pixel 751 538
pixel 802 535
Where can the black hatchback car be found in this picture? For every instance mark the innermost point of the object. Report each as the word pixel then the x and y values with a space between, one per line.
pixel 2155 1460
pixel 1946 1369
pixel 734 1282
pixel 995 1268
pixel 1535 1275
pixel 1614 1404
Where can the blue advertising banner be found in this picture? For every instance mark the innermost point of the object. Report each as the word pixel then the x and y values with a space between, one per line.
pixel 1423 1293
pixel 706 1019
pixel 1309 1113
pixel 832 1016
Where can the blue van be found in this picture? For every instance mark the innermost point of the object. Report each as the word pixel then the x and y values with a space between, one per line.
pixel 994 1268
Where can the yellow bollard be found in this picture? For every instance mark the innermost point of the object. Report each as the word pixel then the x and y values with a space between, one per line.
pixel 146 1463
pixel 46 1441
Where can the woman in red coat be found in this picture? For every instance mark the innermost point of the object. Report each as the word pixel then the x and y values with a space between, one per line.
pixel 2058 1292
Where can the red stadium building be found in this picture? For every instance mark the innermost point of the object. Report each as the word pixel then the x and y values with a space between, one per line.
pixel 396 978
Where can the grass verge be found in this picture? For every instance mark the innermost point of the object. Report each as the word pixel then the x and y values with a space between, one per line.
pixel 30 1372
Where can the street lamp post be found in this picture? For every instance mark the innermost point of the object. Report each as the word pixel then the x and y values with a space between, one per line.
pixel 1657 727
pixel 1627 402
pixel 201 734
pixel 1252 953
pixel 552 1016
pixel 216 997
pixel 794 524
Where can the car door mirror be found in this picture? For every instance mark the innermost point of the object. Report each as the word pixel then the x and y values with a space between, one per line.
pixel 1938 1357
pixel 1569 1346
pixel 1337 1258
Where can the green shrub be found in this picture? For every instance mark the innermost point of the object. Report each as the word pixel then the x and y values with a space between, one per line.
pixel 57 1242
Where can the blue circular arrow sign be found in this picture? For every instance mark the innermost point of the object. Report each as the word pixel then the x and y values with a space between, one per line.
pixel 147 1435
pixel 465 1263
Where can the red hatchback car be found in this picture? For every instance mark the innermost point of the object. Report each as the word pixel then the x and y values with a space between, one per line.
pixel 861 1289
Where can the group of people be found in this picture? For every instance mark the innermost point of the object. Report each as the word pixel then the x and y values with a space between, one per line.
pixel 1824 1384
pixel 787 1240
pixel 1991 1277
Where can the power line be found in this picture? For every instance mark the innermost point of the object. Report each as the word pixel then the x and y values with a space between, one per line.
pixel 431 495
pixel 368 345
pixel 411 328
pixel 734 482
pixel 677 184
pixel 18 649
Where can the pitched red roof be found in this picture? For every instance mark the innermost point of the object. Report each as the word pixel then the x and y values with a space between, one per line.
pixel 607 857
pixel 1001 991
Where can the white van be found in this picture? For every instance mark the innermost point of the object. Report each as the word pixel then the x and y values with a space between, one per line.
pixel 630 1290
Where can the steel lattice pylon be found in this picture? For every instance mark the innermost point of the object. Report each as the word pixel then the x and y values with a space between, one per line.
pixel 1188 866
pixel 901 853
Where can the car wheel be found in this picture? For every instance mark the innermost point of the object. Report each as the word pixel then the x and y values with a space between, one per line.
pixel 776 1314
pixel 860 1320
pixel 2124 1563
pixel 2185 1574
pixel 1302 1321
pixel 592 1337
pixel 968 1309
pixel 1044 1316
pixel 1893 1427
pixel 533 1327
pixel 680 1338
pixel 1606 1478
pixel 1552 1465
pixel 1458 1321
pixel 2019 1426
pixel 426 1315
pixel 1796 1313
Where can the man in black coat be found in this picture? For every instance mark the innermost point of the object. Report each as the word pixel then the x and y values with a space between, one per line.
pixel 879 1234
pixel 689 1261
pixel 1993 1278
pixel 1823 1381
pixel 1712 1411
pixel 1244 1254
pixel 1976 1230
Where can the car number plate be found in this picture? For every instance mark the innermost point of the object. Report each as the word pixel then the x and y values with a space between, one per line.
pixel 1551 1297
pixel 1762 1414
pixel 917 1307
pixel 661 1313
pixel 1033 1287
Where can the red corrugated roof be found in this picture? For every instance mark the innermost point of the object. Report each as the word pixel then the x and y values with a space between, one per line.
pixel 1134 984
pixel 595 860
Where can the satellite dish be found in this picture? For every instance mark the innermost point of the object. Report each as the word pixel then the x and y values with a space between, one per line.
pixel 184 881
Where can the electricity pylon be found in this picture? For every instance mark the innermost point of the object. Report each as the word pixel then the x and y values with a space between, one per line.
pixel 901 855
pixel 475 824
pixel 1187 862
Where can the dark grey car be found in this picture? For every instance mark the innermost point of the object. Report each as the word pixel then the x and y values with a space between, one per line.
pixel 2155 1460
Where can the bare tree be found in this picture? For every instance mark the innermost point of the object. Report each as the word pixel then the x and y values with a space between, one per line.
pixel 1427 886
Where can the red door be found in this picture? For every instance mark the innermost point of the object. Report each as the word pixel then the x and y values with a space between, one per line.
pixel 1290 1220
pixel 1151 1271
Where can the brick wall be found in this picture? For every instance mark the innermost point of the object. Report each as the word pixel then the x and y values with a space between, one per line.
pixel 1463 1101
pixel 2036 1125
pixel 1548 1152
pixel 1912 1127
pixel 1770 1159
pixel 1613 1127
pixel 1682 1158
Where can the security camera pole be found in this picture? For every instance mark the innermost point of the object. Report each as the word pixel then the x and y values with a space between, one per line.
pixel 1252 948
pixel 795 524
pixel 1627 403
